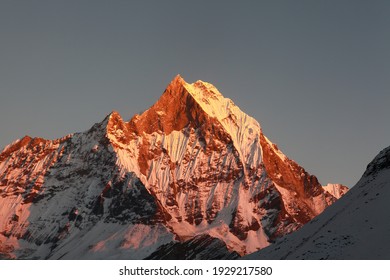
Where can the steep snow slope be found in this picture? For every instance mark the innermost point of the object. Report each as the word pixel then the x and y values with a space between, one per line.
pixel 356 227
pixel 192 165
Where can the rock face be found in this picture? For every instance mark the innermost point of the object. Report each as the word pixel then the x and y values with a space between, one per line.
pixel 356 227
pixel 193 165
pixel 336 190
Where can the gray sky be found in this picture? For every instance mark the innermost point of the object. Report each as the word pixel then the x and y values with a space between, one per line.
pixel 315 74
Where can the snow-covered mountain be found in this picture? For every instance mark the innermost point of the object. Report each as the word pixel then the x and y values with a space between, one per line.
pixel 356 227
pixel 192 172
pixel 337 190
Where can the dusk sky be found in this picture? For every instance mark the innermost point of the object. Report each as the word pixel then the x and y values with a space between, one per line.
pixel 315 74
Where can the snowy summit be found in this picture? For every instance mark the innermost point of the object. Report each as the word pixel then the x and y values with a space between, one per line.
pixel 193 173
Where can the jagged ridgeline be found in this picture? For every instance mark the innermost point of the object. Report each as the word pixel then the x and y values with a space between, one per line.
pixel 193 172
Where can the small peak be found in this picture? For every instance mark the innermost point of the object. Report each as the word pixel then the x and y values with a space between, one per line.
pixel 178 79
pixel 117 130
pixel 31 140
pixel 26 138
pixel 113 118
pixel 114 114
pixel 110 116
pixel 175 89
pixel 108 122
pixel 14 146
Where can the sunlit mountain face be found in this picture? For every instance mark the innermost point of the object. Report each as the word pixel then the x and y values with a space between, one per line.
pixel 193 175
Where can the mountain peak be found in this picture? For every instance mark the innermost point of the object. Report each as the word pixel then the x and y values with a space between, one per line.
pixel 117 130
pixel 182 104
pixel 175 85
pixel 191 165
pixel 337 190
pixel 114 114
pixel 380 162
pixel 178 78
pixel 199 88
pixel 198 104
pixel 170 112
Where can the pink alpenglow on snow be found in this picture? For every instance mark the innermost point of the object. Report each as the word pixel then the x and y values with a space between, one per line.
pixel 192 177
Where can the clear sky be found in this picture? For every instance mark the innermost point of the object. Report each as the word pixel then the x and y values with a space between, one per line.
pixel 315 74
